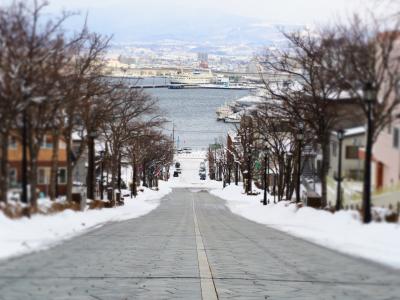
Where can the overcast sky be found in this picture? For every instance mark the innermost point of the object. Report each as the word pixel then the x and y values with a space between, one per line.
pixel 151 16
pixel 291 11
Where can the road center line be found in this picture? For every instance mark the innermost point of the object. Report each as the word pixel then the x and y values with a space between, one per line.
pixel 208 290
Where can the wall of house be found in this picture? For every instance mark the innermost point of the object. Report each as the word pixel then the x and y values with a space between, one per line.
pixel 44 165
pixel 387 152
pixel 351 167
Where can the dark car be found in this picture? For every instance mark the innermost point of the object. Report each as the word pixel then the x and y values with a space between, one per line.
pixel 176 174
pixel 203 176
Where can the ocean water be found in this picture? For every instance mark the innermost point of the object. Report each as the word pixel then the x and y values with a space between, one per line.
pixel 192 111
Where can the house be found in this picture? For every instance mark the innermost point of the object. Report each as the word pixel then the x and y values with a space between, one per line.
pixel 386 158
pixel 386 149
pixel 44 164
pixel 352 164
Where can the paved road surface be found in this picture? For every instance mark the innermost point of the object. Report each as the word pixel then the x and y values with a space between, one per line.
pixel 188 248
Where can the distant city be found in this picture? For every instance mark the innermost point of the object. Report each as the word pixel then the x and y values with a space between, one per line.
pixel 234 50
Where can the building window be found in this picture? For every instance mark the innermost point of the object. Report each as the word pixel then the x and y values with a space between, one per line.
pixel 12 143
pixel 351 152
pixel 46 143
pixel 62 175
pixel 41 176
pixel 12 177
pixel 62 145
pixel 396 132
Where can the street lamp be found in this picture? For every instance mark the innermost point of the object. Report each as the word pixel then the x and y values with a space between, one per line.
pixel 24 175
pixel 299 138
pixel 101 174
pixel 264 153
pixel 288 180
pixel 90 175
pixel 340 136
pixel 369 97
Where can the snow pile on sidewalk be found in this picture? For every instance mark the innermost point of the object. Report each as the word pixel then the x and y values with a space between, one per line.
pixel 342 231
pixel 43 231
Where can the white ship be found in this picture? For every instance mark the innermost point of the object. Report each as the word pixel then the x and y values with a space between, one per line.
pixel 194 78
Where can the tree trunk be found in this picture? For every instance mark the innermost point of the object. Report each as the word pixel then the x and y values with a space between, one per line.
pixel 324 173
pixel 69 166
pixel 280 178
pixel 134 180
pixel 288 178
pixel 33 181
pixel 249 178
pixel 4 167
pixel 54 166
pixel 114 175
pixel 144 181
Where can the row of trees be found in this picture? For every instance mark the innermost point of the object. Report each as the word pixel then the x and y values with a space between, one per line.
pixel 314 87
pixel 327 73
pixel 51 83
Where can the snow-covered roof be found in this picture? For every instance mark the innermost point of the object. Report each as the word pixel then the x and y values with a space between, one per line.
pixel 359 130
pixel 354 131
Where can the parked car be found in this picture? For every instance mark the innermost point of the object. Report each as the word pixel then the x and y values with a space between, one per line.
pixel 203 176
pixel 176 174
pixel 187 150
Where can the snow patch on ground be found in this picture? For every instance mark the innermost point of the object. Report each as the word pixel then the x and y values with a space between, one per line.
pixel 341 231
pixel 43 231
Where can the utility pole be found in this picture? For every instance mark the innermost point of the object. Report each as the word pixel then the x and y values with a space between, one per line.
pixel 369 99
pixel 173 134
pixel 24 196
pixel 91 168
pixel 340 135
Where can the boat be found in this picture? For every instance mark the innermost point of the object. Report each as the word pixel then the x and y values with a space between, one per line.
pixel 233 118
pixel 175 86
pixel 195 78
pixel 223 112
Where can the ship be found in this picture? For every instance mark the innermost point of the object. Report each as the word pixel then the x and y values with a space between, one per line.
pixel 195 78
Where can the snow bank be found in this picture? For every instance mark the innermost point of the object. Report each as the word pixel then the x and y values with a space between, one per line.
pixel 341 231
pixel 43 231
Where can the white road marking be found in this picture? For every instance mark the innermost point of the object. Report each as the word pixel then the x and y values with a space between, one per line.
pixel 208 291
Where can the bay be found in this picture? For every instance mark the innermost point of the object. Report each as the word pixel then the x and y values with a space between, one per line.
pixel 192 113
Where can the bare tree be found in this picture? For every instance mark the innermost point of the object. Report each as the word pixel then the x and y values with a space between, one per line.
pixel 35 56
pixel 308 92
pixel 370 54
pixel 129 106
pixel 246 131
pixel 82 83
pixel 275 136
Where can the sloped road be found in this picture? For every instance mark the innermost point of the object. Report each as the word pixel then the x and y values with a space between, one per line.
pixel 192 247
